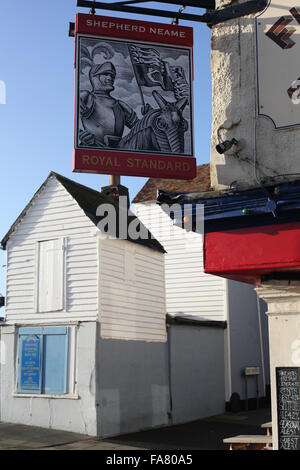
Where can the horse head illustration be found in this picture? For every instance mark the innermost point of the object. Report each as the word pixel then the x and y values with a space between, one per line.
pixel 169 125
pixel 160 129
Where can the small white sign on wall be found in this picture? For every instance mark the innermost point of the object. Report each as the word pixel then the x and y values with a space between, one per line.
pixel 278 67
pixel 2 353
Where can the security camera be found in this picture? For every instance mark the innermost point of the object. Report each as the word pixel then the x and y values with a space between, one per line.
pixel 225 146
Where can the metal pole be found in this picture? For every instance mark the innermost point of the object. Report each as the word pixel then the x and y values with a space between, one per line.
pixel 246 390
pixel 141 11
pixel 261 344
pixel 114 180
pixel 211 17
pixel 211 4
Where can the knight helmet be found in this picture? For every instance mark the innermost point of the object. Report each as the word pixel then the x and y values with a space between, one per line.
pixel 106 67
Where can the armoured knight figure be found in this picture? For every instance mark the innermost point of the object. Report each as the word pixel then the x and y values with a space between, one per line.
pixel 103 117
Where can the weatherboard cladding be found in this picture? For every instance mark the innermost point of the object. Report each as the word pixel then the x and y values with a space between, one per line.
pixel 132 292
pixel 53 214
pixel 118 282
pixel 189 290
pixel 89 200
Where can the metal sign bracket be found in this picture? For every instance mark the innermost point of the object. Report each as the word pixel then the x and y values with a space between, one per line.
pixel 237 11
pixel 211 17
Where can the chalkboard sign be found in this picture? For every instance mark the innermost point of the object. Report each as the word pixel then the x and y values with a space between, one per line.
pixel 288 407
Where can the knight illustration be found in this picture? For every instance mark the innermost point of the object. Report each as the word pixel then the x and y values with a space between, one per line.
pixel 103 117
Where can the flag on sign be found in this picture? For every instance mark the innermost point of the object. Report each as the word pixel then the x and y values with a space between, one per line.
pixel 149 69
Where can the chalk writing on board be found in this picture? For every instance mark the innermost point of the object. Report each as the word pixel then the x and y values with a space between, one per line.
pixel 288 406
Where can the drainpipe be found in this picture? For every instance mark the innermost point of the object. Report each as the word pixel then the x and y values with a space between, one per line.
pixel 170 417
pixel 0 366
pixel 261 344
pixel 228 348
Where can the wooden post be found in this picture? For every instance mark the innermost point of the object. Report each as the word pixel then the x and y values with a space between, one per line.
pixel 114 180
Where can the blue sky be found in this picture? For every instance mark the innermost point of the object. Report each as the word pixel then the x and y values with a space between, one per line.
pixel 36 122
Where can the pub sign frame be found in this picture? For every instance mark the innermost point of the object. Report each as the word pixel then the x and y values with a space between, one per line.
pixel 133 98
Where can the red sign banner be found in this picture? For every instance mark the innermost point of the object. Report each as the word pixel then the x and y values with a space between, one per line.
pixel 133 98
pixel 133 29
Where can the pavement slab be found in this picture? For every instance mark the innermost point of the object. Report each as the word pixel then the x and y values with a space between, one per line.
pixel 203 434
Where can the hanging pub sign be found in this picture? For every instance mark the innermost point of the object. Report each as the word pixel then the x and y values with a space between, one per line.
pixel 278 72
pixel 133 98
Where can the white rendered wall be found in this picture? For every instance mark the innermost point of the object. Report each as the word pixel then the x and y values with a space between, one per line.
pixel 249 340
pixel 234 97
pixel 196 372
pixel 75 412
pixel 284 325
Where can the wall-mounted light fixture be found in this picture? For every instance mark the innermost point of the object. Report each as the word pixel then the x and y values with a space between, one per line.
pixel 225 146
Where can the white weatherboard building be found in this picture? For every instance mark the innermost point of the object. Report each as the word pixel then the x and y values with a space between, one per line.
pixel 84 337
pixel 219 327
pixel 104 335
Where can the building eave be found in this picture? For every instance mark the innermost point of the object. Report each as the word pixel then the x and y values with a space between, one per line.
pixel 88 199
pixel 23 213
pixel 238 209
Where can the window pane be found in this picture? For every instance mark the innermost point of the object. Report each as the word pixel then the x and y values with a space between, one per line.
pixel 43 360
pixel 55 349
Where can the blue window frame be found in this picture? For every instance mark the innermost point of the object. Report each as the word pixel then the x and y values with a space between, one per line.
pixel 43 360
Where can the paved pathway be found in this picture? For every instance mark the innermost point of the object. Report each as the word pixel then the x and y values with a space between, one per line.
pixel 204 434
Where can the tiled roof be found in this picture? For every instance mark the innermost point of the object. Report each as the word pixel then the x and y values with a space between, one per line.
pixel 200 183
